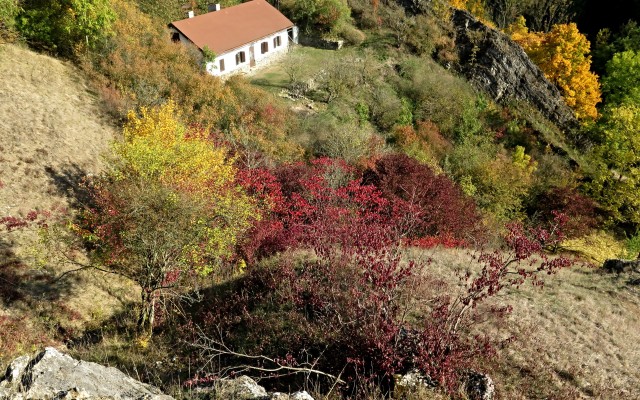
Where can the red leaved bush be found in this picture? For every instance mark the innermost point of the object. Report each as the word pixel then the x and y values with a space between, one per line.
pixel 432 205
pixel 304 204
pixel 342 312
pixel 579 209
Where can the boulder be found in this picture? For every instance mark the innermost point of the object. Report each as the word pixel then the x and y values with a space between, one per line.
pixel 300 396
pixel 479 386
pixel 53 375
pixel 241 388
pixel 621 266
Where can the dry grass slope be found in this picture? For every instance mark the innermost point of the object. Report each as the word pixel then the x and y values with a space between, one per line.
pixel 576 338
pixel 51 126
pixel 52 133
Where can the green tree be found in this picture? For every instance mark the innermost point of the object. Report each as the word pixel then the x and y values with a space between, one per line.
pixel 317 15
pixel 63 26
pixel 615 174
pixel 621 84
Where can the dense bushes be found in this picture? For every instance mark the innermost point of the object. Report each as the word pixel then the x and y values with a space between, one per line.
pixel 308 203
pixel 341 311
pixel 580 210
pixel 62 26
pixel 432 205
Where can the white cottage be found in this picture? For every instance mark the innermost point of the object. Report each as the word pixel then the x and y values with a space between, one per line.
pixel 243 37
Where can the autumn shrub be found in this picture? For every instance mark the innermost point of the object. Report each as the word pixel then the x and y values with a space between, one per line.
pixel 436 95
pixel 498 181
pixel 351 34
pixel 305 203
pixel 349 141
pixel 433 204
pixel 339 314
pixel 596 247
pixel 167 211
pixel 580 210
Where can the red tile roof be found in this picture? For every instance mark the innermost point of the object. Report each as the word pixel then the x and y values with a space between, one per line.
pixel 233 27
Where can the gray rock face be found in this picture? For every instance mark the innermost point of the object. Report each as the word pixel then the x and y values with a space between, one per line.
pixel 53 375
pixel 499 66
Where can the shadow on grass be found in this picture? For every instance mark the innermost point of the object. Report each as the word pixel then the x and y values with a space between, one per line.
pixel 71 181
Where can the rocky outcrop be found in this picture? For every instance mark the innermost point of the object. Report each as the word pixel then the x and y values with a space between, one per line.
pixel 53 375
pixel 245 388
pixel 497 65
pixel 241 388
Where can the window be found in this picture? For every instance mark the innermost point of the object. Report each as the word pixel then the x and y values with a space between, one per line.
pixel 222 65
pixel 175 37
pixel 277 41
pixel 240 58
pixel 264 47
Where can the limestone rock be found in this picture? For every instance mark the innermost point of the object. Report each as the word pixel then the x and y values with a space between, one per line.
pixel 412 383
pixel 300 396
pixel 497 65
pixel 241 388
pixel 53 375
pixel 294 396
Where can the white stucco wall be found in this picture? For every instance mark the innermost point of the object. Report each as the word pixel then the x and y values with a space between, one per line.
pixel 260 59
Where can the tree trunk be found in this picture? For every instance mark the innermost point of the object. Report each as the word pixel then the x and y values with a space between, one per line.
pixel 147 313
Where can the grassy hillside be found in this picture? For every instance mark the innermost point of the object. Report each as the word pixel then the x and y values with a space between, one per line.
pixel 575 337
pixel 282 226
pixel 52 127
pixel 52 134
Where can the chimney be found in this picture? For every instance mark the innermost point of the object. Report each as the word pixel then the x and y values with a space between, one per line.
pixel 190 14
pixel 214 7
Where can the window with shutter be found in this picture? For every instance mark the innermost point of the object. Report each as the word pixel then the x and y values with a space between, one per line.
pixel 240 57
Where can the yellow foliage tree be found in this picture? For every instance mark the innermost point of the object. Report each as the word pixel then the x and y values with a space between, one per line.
pixel 475 7
pixel 563 55
pixel 168 211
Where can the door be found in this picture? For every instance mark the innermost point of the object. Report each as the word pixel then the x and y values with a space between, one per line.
pixel 252 57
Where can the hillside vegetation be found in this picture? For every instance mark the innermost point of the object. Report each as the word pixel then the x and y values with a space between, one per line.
pixel 334 220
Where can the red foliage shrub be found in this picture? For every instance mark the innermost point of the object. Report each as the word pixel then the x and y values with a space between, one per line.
pixel 579 210
pixel 305 204
pixel 429 242
pixel 431 205
pixel 342 313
